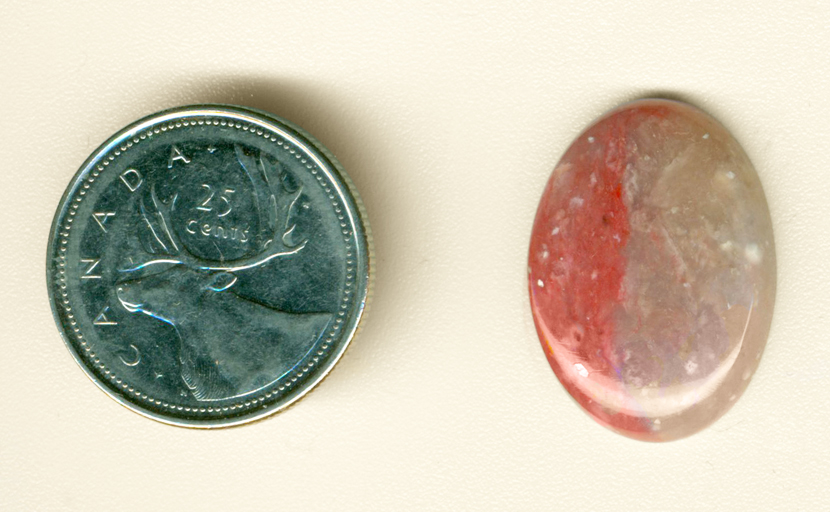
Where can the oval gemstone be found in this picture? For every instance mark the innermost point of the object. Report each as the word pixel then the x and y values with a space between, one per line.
pixel 652 270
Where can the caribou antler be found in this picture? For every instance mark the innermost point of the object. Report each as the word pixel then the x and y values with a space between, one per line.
pixel 274 213
pixel 273 208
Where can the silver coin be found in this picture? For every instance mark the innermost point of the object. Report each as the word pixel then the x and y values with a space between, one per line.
pixel 208 265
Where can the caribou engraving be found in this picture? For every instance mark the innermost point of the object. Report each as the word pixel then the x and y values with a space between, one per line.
pixel 228 345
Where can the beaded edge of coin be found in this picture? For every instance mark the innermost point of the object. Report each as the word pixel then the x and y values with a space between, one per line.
pixel 257 405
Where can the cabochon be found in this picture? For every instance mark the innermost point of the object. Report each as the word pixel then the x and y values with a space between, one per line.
pixel 652 270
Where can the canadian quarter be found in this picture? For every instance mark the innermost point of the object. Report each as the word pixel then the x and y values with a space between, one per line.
pixel 209 265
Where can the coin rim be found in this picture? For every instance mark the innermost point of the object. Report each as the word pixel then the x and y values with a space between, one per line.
pixel 364 253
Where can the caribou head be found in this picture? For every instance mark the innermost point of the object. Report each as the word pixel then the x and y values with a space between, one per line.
pixel 192 294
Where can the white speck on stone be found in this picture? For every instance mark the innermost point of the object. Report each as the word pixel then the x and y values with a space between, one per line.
pixel 576 202
pixel 705 135
pixel 675 209
pixel 746 374
pixel 617 237
pixel 545 255
pixel 752 253
pixel 727 245
pixel 555 231
pixel 732 398
pixel 540 283
pixel 646 158
pixel 730 175
pixel 656 424
pixel 691 367
pixel 687 285
pixel 593 275
pixel 591 140
pixel 593 179
pixel 580 370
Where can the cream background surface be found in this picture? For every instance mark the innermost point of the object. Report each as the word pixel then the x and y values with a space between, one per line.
pixel 449 116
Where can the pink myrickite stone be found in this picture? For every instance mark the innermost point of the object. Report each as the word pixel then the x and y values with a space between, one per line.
pixel 652 270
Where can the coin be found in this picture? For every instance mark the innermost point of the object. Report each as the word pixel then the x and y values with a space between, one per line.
pixel 208 265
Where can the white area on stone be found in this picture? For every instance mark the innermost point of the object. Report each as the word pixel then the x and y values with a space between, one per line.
pixel 690 366
pixel 752 253
pixel 581 370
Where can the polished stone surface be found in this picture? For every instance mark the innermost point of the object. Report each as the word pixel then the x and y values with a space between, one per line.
pixel 652 270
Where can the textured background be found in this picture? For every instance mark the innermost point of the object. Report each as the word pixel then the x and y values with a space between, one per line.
pixel 449 117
